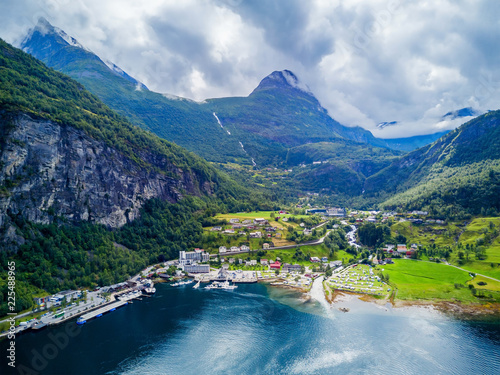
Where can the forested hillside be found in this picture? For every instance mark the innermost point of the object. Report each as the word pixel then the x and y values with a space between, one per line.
pixel 456 176
pixel 45 114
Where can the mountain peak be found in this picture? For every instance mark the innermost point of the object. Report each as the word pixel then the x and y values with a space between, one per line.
pixel 459 113
pixel 282 79
pixel 45 29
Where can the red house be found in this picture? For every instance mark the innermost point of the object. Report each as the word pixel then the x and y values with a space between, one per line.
pixel 275 266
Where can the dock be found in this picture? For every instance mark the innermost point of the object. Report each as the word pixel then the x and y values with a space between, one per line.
pixel 97 313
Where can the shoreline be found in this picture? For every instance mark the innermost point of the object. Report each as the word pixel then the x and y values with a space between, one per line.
pixel 456 309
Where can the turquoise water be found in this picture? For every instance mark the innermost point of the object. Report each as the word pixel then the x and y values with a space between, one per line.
pixel 256 330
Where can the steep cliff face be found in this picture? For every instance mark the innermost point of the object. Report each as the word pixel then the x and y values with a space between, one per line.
pixel 49 170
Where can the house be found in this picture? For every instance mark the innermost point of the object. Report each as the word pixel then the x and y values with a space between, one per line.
pixel 414 247
pixel 275 266
pixel 409 253
pixel 234 221
pixel 231 260
pixel 242 233
pixel 41 300
pixel 270 229
pixel 314 259
pixel 336 263
pixel 216 229
pixel 252 262
pixel 234 249
pixel 307 232
pixel 245 222
pixel 324 260
pixel 244 248
pixel 402 248
pixel 285 219
pixel 265 245
pixel 389 249
pixel 237 226
pixel 222 249
pixel 264 262
pixel 291 267
pixel 229 231
pixel 260 221
pixel 278 235
pixel 256 235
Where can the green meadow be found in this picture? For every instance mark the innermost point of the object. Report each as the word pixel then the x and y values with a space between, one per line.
pixel 479 230
pixel 418 280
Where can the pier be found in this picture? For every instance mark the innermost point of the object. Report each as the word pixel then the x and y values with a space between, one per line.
pixel 97 313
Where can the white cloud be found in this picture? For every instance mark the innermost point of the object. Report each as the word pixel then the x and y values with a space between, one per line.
pixel 367 61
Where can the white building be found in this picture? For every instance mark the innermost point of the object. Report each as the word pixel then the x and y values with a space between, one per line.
pixel 197 268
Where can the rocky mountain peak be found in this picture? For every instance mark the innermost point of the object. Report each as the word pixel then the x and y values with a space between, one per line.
pixel 282 79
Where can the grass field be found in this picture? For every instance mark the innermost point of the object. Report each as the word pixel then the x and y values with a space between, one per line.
pixel 286 255
pixel 473 233
pixel 262 214
pixel 424 280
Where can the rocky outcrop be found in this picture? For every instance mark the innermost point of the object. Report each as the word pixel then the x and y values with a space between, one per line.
pixel 49 170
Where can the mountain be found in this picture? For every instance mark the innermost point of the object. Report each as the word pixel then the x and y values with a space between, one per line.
pixel 459 174
pixel 64 154
pixel 460 113
pixel 173 118
pixel 280 113
pixel 412 143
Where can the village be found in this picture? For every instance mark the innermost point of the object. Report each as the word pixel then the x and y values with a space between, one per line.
pixel 257 248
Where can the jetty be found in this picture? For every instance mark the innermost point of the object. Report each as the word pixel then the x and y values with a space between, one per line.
pixel 98 313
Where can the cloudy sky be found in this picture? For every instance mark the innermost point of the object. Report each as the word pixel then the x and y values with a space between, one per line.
pixel 367 61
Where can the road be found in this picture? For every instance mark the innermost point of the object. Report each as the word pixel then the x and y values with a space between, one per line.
pixel 93 299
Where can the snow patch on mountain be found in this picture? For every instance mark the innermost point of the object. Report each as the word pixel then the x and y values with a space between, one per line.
pixel 115 68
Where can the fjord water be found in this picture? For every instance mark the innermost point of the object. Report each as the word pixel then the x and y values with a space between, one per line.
pixel 259 330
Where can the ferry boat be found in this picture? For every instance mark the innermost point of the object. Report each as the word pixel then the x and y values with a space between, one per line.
pixel 149 291
pixel 179 283
pixel 221 285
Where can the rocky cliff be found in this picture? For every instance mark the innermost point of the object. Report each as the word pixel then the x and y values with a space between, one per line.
pixel 49 170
